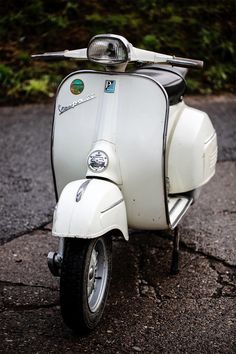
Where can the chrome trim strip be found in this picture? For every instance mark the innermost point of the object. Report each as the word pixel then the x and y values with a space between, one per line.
pixel 173 225
pixel 81 190
pixel 175 205
pixel 113 205
pixel 51 151
pixel 211 137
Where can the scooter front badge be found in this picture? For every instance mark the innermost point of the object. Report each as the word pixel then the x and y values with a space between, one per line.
pixel 98 161
pixel 110 86
pixel 76 87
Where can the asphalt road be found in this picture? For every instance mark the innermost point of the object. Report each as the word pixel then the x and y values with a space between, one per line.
pixel 26 188
pixel 148 310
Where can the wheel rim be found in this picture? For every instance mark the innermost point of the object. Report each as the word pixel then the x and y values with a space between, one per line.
pixel 97 275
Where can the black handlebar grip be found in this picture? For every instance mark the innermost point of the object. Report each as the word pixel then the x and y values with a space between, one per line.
pixel 186 63
pixel 49 56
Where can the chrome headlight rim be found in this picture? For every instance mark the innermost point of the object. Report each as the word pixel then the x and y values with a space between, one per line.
pixel 126 45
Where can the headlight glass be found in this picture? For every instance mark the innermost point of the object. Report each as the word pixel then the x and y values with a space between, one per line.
pixel 107 50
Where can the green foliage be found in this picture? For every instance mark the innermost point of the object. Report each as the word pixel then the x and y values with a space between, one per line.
pixel 36 86
pixel 202 30
pixel 5 74
pixel 151 42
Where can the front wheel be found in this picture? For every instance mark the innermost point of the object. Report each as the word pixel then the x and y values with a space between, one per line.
pixel 85 279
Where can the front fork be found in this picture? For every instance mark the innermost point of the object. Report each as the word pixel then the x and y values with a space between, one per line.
pixel 55 258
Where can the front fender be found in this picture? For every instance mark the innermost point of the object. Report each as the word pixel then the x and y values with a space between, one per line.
pixel 90 208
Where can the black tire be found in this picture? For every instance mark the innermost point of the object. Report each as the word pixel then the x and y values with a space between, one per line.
pixel 84 284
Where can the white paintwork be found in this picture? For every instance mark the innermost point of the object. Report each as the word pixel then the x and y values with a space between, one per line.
pixel 191 149
pixel 140 128
pixel 101 209
pixel 128 126
pixel 80 54
pixel 148 56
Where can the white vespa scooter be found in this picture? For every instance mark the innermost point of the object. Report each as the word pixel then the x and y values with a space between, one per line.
pixel 127 152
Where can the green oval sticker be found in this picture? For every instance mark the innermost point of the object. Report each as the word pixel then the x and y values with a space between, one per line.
pixel 77 86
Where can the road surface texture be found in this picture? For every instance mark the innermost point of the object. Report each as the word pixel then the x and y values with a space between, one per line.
pixel 148 310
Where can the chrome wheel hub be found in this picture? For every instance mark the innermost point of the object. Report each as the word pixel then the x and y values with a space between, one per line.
pixel 97 275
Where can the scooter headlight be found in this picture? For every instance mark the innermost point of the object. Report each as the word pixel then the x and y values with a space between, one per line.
pixel 108 49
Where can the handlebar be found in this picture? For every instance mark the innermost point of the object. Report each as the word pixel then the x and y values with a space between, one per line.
pixel 78 54
pixel 136 55
pixel 49 56
pixel 145 56
pixel 186 63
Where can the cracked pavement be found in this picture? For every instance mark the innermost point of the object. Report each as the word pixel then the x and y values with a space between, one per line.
pixel 148 310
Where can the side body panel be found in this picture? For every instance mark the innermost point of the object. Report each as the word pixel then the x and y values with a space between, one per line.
pixel 191 149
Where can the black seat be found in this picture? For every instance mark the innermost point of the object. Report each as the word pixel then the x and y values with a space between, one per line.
pixel 171 78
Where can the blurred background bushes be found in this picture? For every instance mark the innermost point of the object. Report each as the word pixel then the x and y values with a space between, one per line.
pixel 196 29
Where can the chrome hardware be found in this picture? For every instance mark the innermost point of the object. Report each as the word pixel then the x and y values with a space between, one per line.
pixel 54 263
pixel 63 109
pixel 81 190
pixel 98 161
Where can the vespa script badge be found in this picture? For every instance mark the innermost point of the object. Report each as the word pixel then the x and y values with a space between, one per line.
pixel 63 109
pixel 98 161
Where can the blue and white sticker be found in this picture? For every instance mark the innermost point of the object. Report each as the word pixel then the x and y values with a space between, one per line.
pixel 110 86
